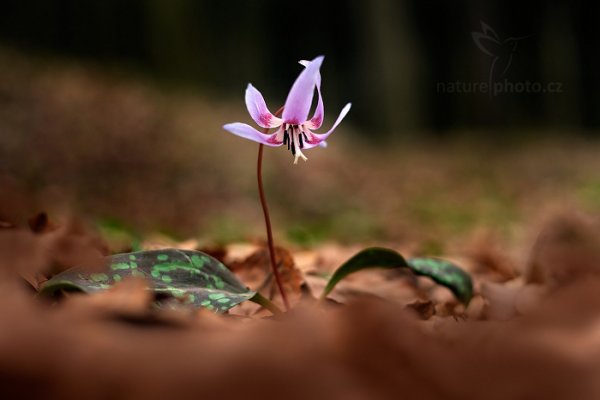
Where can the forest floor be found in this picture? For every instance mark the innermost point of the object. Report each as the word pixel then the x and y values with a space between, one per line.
pixel 117 164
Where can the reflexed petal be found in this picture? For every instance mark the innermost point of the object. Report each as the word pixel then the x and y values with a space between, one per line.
pixel 258 109
pixel 248 132
pixel 301 94
pixel 317 120
pixel 320 138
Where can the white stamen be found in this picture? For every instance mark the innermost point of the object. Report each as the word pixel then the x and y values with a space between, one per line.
pixel 299 155
pixel 295 132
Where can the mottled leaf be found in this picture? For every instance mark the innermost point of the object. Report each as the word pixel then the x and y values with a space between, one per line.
pixel 440 271
pixel 446 274
pixel 193 277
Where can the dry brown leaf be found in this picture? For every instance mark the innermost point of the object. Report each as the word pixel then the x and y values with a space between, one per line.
pixel 159 242
pixel 567 249
pixel 256 268
pixel 424 309
pixel 130 296
pixel 490 259
pixel 40 223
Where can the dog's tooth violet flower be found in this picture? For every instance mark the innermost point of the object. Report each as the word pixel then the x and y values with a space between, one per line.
pixel 295 131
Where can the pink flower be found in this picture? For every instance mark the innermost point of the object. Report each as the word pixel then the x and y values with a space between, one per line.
pixel 295 130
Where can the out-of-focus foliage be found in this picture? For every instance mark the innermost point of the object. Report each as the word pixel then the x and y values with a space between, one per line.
pixel 388 57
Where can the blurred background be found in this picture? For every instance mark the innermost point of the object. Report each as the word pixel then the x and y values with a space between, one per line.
pixel 467 115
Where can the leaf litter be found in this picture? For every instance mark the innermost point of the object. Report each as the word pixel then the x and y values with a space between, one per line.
pixel 116 344
pixel 530 331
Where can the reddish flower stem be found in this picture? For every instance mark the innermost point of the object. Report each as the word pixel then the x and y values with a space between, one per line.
pixel 263 202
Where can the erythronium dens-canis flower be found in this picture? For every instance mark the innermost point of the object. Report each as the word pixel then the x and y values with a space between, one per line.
pixel 295 130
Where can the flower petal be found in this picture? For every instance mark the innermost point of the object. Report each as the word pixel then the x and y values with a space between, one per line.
pixel 299 100
pixel 317 120
pixel 306 63
pixel 258 109
pixel 248 132
pixel 316 139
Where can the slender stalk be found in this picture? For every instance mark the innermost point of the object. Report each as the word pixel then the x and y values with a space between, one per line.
pixel 266 303
pixel 263 202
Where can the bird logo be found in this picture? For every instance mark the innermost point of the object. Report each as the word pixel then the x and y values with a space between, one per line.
pixel 502 51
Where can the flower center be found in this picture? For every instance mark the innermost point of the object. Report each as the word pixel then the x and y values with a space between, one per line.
pixel 295 138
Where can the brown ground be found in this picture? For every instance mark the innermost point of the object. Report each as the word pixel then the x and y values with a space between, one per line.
pixel 128 158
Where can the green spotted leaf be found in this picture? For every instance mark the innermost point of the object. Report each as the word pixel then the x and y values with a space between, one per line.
pixel 446 274
pixel 193 277
pixel 440 271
